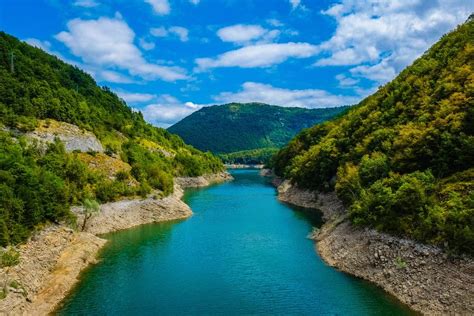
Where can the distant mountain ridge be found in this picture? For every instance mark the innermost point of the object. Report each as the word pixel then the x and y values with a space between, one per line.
pixel 237 127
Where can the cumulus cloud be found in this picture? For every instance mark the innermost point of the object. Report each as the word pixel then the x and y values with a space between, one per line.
pixel 146 45
pixel 86 3
pixel 380 38
pixel 131 97
pixel 265 93
pixel 246 33
pixel 160 7
pixel 108 43
pixel 179 31
pixel 260 55
pixel 167 110
pixel 345 81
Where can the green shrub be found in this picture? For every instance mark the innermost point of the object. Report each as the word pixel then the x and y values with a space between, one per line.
pixel 9 257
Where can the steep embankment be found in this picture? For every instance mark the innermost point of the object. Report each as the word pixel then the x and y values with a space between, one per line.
pixel 51 261
pixel 424 277
pixel 247 133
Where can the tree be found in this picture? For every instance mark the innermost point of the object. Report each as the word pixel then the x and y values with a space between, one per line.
pixel 90 208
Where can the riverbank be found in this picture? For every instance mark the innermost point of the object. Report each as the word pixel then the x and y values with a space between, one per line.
pixel 424 277
pixel 244 166
pixel 52 260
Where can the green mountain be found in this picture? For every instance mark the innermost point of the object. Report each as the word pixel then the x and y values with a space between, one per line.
pixel 235 127
pixel 39 94
pixel 402 160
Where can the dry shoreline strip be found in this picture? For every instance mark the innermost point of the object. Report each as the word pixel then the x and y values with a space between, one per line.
pixel 423 277
pixel 52 260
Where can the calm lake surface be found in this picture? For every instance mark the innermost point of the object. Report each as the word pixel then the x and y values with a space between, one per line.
pixel 242 252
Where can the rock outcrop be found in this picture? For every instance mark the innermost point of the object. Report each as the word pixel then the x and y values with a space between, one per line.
pixel 424 277
pixel 50 263
pixel 202 181
pixel 125 214
pixel 73 137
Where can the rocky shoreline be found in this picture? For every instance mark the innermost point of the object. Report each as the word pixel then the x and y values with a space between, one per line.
pixel 52 260
pixel 423 277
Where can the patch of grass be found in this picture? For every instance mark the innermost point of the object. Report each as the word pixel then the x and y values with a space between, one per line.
pixel 400 264
pixel 9 257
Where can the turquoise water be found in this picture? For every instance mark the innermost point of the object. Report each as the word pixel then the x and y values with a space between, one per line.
pixel 243 252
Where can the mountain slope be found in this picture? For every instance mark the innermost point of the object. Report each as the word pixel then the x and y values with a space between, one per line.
pixel 236 127
pixel 39 94
pixel 402 160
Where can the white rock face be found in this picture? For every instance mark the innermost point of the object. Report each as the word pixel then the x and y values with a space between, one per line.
pixel 73 137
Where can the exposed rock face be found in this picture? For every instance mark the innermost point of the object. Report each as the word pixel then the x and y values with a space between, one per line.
pixel 129 213
pixel 49 266
pixel 73 137
pixel 266 172
pixel 423 277
pixel 420 276
pixel 202 181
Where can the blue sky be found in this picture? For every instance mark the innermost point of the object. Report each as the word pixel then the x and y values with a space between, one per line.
pixel 169 58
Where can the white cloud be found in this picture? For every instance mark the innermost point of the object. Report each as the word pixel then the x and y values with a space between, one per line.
pixel 265 93
pixel 131 97
pixel 109 75
pixel 274 22
pixel 86 3
pixel 295 3
pixel 108 43
pixel 195 2
pixel 159 31
pixel 260 55
pixel 168 110
pixel 160 7
pixel 245 34
pixel 145 44
pixel 181 32
pixel 381 37
pixel 345 81
pixel 240 33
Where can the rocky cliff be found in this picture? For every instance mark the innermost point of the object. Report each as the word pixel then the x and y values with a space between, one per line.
pixel 424 277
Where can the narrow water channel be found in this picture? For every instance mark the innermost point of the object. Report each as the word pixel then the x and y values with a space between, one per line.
pixel 242 252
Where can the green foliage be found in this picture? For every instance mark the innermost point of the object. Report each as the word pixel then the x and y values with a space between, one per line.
pixel 39 185
pixel 402 159
pixel 400 263
pixel 236 127
pixel 9 257
pixel 90 208
pixel 250 157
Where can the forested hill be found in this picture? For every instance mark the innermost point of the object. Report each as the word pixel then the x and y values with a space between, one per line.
pixel 402 160
pixel 38 93
pixel 236 127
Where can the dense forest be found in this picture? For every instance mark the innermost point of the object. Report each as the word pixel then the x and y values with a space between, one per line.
pixel 241 128
pixel 403 159
pixel 38 184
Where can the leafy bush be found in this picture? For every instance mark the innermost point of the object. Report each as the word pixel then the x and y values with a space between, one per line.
pixel 9 257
